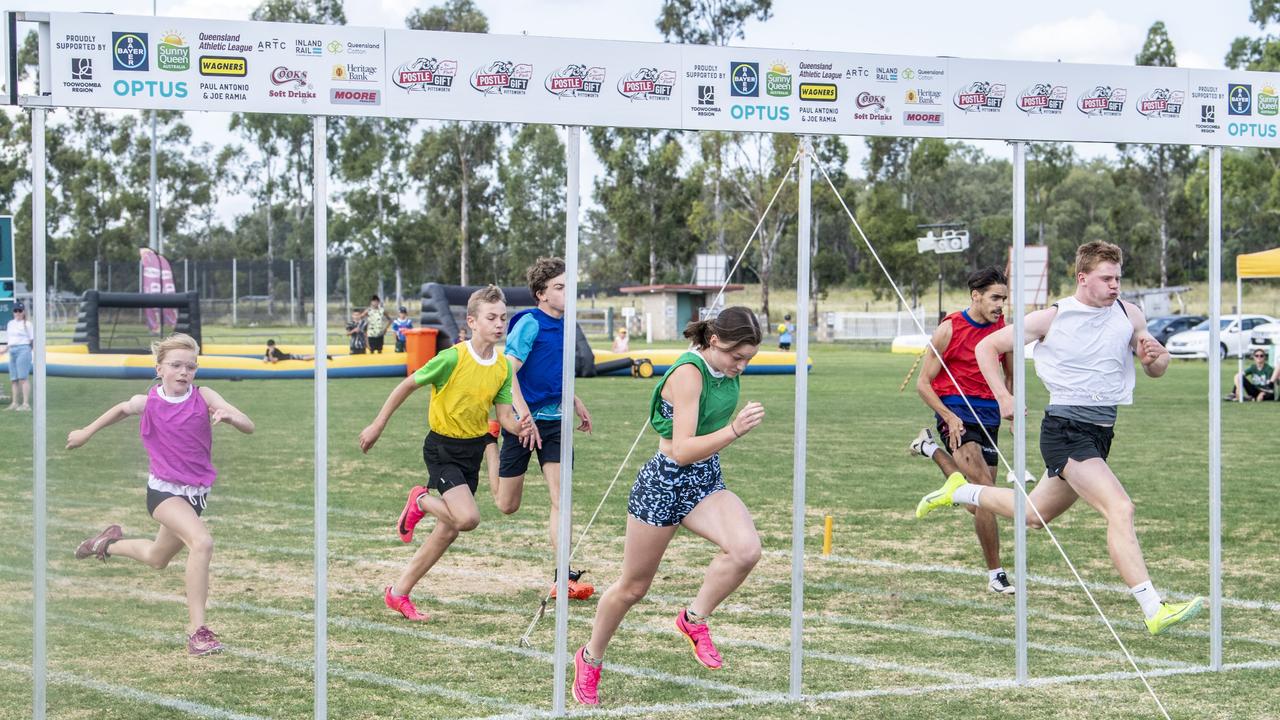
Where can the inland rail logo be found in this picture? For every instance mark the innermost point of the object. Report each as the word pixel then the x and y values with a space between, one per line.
pixel 647 83
pixel 575 80
pixel 426 74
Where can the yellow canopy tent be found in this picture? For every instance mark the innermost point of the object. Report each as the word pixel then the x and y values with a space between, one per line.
pixel 1265 264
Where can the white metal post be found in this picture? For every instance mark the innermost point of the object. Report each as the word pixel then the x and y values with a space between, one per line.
pixel 235 286
pixel 801 421
pixel 1215 409
pixel 346 269
pixel 319 274
pixel 1018 301
pixel 1239 307
pixel 573 151
pixel 40 387
pixel 293 295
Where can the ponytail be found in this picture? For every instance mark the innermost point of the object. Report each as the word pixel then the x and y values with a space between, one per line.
pixel 734 326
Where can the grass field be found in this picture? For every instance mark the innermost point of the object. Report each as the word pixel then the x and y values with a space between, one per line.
pixel 898 620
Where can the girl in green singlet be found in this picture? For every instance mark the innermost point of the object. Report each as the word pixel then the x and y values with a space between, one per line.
pixel 692 410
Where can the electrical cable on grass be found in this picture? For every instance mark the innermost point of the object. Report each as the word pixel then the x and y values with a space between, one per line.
pixel 1019 482
pixel 525 640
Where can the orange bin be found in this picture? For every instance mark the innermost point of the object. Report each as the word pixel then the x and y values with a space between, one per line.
pixel 420 347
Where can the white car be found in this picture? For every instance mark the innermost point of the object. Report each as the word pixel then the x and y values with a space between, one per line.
pixel 1266 336
pixel 1235 336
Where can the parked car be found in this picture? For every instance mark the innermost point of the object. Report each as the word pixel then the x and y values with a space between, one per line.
pixel 1166 326
pixel 1266 336
pixel 1234 338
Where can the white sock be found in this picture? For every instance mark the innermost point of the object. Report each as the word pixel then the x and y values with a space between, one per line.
pixel 967 494
pixel 1147 597
pixel 991 574
pixel 928 448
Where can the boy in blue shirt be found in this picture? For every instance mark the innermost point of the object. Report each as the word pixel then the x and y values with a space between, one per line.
pixel 535 347
pixel 399 325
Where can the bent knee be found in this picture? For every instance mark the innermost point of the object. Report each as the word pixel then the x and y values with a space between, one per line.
pixel 507 507
pixel 746 554
pixel 631 593
pixel 467 523
pixel 202 545
pixel 1121 512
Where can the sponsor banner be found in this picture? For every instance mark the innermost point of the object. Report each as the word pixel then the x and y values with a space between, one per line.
pixel 454 76
pixel 116 61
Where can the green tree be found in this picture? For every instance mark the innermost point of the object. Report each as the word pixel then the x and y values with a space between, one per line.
pixel 372 160
pixel 647 200
pixel 470 148
pixel 532 178
pixel 761 162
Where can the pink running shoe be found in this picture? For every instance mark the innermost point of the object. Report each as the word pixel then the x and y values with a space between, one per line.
pixel 98 544
pixel 586 679
pixel 203 642
pixel 699 637
pixel 403 605
pixel 411 515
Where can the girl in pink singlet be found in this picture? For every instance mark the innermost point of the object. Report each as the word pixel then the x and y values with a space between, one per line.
pixel 176 426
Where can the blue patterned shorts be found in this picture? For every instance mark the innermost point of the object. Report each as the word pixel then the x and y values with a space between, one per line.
pixel 665 492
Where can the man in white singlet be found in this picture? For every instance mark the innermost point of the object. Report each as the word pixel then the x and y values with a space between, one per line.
pixel 1084 357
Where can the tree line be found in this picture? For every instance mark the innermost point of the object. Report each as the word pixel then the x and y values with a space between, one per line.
pixel 466 202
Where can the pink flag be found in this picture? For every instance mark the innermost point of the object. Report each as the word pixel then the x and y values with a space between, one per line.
pixel 166 280
pixel 151 283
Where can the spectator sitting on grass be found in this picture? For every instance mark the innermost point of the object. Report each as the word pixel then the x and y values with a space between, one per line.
pixel 1259 379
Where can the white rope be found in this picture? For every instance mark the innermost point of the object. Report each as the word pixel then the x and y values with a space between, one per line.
pixel 542 606
pixel 1019 482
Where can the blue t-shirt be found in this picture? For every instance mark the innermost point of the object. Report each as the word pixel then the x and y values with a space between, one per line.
pixel 520 342
pixel 398 326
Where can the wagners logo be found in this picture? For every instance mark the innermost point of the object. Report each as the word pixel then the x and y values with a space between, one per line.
pixel 226 66
pixel 818 92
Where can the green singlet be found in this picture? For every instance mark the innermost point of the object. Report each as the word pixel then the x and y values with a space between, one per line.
pixel 715 406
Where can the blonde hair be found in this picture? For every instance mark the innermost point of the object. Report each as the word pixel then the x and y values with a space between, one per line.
pixel 1090 254
pixel 176 341
pixel 488 294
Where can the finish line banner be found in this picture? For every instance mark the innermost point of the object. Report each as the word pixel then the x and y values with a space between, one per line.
pixel 212 65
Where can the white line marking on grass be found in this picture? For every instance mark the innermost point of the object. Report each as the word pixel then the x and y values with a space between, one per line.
pixel 945 634
pixel 1040 579
pixel 360 624
pixel 125 692
pixel 838 695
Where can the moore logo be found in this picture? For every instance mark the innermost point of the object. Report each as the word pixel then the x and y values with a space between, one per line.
pixel 154 88
pixel 347 96
pixel 1254 130
pixel 779 113
pixel 744 79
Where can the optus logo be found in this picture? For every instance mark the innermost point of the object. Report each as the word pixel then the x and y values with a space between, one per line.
pixel 780 113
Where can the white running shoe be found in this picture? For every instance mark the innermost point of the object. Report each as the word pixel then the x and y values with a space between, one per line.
pixel 917 445
pixel 1001 585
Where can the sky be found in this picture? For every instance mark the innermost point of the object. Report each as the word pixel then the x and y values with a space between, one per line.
pixel 1084 31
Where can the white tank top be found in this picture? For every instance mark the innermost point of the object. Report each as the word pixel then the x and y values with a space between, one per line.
pixel 1085 359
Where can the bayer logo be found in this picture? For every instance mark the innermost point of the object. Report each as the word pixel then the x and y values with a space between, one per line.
pixel 744 79
pixel 1239 99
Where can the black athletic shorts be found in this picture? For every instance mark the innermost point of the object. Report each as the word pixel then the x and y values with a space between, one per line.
pixel 155 497
pixel 375 343
pixel 1062 440
pixel 973 433
pixel 515 457
pixel 453 461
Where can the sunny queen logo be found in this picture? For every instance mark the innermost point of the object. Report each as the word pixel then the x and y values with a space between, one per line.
pixel 1102 100
pixel 647 84
pixel 426 74
pixel 980 96
pixel 575 81
pixel 502 77
pixel 1043 99
pixel 1161 103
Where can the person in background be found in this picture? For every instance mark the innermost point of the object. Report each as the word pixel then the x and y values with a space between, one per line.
pixel 357 337
pixel 1258 381
pixel 399 325
pixel 620 342
pixel 786 329
pixel 376 322
pixel 20 336
pixel 274 354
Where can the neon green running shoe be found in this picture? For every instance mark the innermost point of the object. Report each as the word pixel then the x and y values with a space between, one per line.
pixel 1171 614
pixel 940 497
